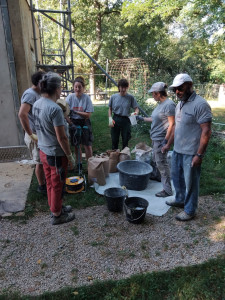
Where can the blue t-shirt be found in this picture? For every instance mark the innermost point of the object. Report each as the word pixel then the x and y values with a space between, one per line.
pixel 47 115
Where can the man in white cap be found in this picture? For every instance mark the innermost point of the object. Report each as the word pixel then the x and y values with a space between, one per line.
pixel 192 132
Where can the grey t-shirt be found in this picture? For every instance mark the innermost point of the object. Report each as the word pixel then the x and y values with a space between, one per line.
pixel 121 104
pixel 47 115
pixel 82 104
pixel 188 118
pixel 160 116
pixel 30 97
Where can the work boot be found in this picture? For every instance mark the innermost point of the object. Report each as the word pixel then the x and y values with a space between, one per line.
pixel 183 216
pixel 65 217
pixel 175 203
pixel 163 194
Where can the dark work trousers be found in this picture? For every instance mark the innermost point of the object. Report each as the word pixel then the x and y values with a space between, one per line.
pixel 122 125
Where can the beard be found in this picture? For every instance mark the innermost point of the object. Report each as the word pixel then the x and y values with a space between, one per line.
pixel 186 95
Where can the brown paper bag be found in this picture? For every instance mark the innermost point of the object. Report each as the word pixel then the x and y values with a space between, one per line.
pixel 105 160
pixel 96 171
pixel 124 154
pixel 113 160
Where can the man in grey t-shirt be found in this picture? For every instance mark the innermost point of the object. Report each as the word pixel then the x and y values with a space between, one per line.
pixel 29 97
pixel 191 136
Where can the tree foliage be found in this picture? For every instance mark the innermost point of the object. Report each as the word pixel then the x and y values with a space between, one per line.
pixel 170 35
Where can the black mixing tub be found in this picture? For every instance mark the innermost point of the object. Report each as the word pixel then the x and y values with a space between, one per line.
pixel 133 174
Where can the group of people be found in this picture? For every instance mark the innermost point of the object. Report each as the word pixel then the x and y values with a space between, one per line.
pixel 47 136
pixel 187 126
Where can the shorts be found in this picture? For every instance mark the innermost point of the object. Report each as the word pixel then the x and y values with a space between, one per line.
pixel 33 149
pixel 82 134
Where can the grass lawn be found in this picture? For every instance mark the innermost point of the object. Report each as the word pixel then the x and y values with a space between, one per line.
pixel 200 282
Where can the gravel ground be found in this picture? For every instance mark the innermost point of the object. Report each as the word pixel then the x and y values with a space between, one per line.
pixel 36 257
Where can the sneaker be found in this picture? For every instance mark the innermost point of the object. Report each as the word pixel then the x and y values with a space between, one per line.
pixel 163 194
pixel 63 218
pixel 42 189
pixel 175 203
pixel 183 216
pixel 65 208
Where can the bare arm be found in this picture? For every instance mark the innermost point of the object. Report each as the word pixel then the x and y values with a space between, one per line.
pixel 149 119
pixel 110 112
pixel 62 139
pixel 23 116
pixel 170 140
pixel 204 140
pixel 83 114
pixel 171 121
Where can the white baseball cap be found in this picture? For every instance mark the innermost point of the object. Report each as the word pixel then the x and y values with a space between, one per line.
pixel 180 79
pixel 158 87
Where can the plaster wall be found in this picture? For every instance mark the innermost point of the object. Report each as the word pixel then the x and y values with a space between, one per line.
pixel 25 64
pixel 8 125
pixel 23 42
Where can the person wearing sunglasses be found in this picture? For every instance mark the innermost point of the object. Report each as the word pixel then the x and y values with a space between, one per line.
pixel 190 136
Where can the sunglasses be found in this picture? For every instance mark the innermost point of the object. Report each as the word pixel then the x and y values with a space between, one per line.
pixel 179 88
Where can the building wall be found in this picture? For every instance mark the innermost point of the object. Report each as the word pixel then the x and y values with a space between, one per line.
pixel 23 42
pixel 8 125
pixel 20 24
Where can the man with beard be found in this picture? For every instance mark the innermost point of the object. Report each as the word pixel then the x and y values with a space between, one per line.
pixel 192 132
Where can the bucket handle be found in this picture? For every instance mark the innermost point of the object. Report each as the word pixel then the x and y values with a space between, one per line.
pixel 138 217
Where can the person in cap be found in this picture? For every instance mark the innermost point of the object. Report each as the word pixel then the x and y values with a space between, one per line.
pixel 120 105
pixel 29 97
pixel 162 119
pixel 191 136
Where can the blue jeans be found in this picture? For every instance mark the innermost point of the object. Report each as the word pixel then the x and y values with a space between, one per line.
pixel 186 181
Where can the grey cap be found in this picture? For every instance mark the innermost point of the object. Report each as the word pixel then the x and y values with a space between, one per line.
pixel 180 79
pixel 158 87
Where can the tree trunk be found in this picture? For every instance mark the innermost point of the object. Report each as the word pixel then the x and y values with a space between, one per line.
pixel 92 82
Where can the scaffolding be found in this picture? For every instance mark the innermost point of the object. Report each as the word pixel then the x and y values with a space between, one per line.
pixel 55 60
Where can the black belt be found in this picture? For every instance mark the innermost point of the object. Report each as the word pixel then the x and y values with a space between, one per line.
pixel 120 116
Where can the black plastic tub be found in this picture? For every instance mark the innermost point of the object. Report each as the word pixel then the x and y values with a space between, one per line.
pixel 133 174
pixel 115 199
pixel 135 209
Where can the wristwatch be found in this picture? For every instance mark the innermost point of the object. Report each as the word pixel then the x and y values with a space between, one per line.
pixel 199 155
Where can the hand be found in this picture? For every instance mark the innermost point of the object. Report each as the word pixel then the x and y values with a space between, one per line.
pixel 196 161
pixel 111 122
pixel 165 148
pixel 34 137
pixel 134 113
pixel 71 161
pixel 139 118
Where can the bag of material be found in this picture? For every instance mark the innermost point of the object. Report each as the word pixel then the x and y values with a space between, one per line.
pixel 142 152
pixel 124 154
pixel 103 157
pixel 96 171
pixel 113 160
